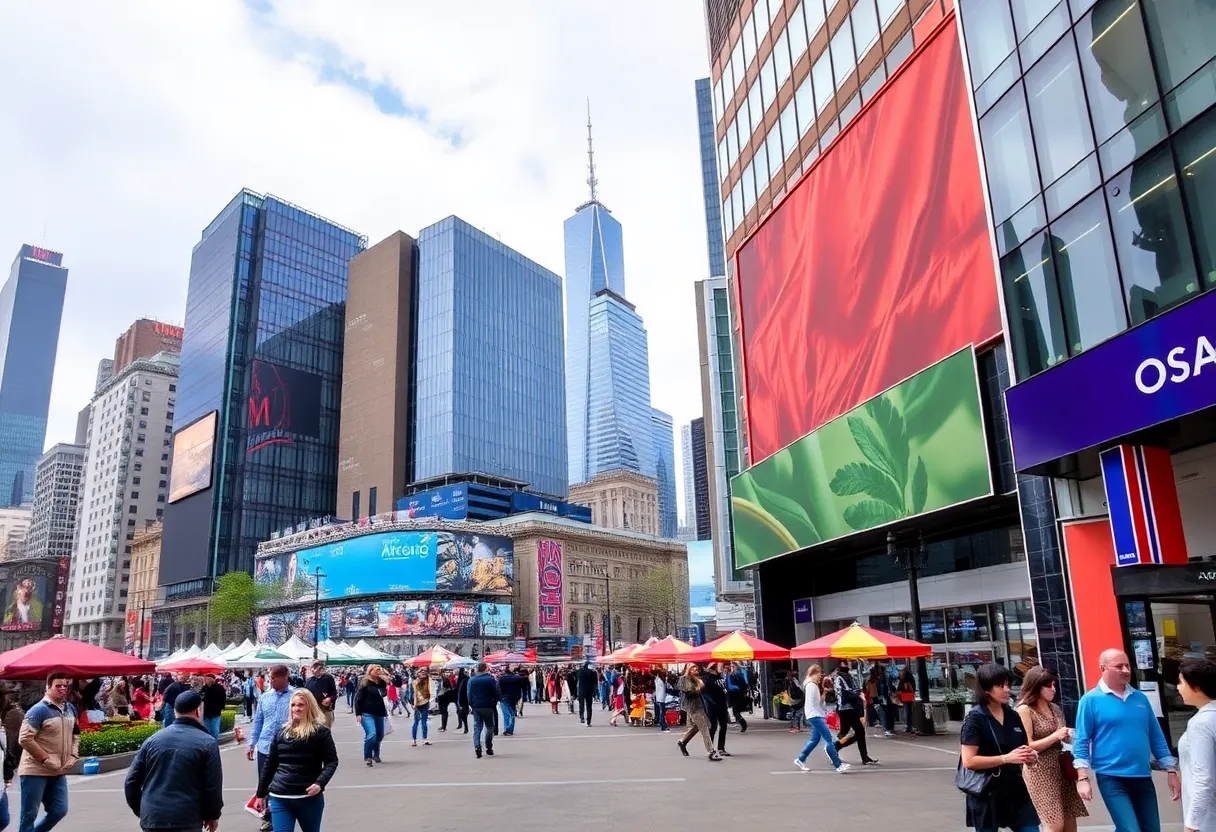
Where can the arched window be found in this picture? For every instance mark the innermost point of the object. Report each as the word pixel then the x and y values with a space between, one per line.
pixel 588 626
pixel 573 623
pixel 616 628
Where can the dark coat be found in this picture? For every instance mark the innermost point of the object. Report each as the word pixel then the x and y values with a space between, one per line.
pixel 214 700
pixel 482 691
pixel 588 682
pixel 511 687
pixel 321 687
pixel 176 781
pixel 369 699
pixel 294 765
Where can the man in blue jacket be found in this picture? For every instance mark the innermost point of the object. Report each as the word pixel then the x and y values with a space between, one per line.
pixel 1117 732
pixel 481 695
pixel 511 688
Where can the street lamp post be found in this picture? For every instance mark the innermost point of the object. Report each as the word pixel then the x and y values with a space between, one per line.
pixel 316 609
pixel 607 579
pixel 912 559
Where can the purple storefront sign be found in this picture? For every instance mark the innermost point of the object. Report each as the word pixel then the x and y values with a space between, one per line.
pixel 1160 370
pixel 803 612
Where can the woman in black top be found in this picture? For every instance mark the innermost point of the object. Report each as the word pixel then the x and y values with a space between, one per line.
pixel 461 700
pixel 301 762
pixel 993 741
pixel 370 711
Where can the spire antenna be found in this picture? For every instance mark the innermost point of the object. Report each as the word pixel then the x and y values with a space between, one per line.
pixel 591 180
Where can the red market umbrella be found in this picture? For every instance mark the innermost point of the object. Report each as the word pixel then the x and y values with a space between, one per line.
pixel 858 642
pixel 736 647
pixel 432 657
pixel 668 651
pixel 508 657
pixel 196 666
pixel 75 658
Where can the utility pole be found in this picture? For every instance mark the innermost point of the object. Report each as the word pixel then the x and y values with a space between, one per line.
pixel 316 609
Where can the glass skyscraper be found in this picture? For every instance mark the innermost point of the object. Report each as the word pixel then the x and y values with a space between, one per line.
pixel 255 445
pixel 489 395
pixel 31 309
pixel 709 179
pixel 663 430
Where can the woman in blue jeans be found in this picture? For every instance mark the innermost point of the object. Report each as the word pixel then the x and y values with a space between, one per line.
pixel 371 713
pixel 422 705
pixel 301 761
pixel 817 723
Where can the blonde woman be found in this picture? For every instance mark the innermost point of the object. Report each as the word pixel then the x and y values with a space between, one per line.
pixel 691 686
pixel 301 762
pixel 817 722
pixel 371 713
pixel 422 705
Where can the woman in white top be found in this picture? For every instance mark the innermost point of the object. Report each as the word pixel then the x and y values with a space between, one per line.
pixel 1197 747
pixel 817 722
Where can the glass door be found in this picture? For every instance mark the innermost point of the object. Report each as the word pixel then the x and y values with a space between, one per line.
pixel 1183 628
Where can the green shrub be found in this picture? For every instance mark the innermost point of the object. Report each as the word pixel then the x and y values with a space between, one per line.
pixel 116 740
pixel 227 719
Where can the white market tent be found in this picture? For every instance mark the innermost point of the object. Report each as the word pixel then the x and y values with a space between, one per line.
pixel 233 651
pixel 364 650
pixel 211 651
pixel 297 649
pixel 262 655
pixel 334 650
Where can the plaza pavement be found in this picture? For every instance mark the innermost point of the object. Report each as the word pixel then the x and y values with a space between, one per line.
pixel 558 773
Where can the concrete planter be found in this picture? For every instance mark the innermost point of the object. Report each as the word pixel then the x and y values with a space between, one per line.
pixel 117 762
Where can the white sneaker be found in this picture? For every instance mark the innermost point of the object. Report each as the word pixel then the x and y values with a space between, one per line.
pixel 888 733
pixel 800 764
pixel 842 768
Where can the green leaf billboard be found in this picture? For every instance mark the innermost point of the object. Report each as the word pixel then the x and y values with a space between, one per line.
pixel 918 447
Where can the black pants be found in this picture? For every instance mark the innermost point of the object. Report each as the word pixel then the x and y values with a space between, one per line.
pixel 584 709
pixel 850 720
pixel 249 703
pixel 719 718
pixel 736 708
pixel 462 718
pixel 443 715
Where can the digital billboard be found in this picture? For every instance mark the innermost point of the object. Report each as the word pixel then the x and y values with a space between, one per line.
pixel 549 585
pixel 876 265
pixel 449 502
pixel 495 619
pixel 284 405
pixel 450 619
pixel 396 561
pixel 193 448
pixel 33 594
pixel 918 447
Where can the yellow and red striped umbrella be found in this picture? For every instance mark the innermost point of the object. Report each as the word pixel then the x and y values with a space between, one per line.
pixel 736 647
pixel 666 651
pixel 621 655
pixel 858 642
pixel 433 657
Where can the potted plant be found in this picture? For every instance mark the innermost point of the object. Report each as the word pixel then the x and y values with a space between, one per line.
pixel 956 705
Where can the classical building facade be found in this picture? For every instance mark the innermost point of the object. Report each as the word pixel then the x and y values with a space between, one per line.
pixel 622 500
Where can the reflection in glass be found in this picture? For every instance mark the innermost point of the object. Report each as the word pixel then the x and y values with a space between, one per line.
pixel 812 11
pixel 1008 155
pixel 768 91
pixel 873 84
pixel 1069 189
pixel 1087 275
pixel 1032 303
pixel 989 34
pixel 749 41
pixel 887 9
pixel 755 113
pixel 1028 13
pixel 1125 147
pixel 1151 238
pixel 841 47
pixel 899 52
pixel 1018 228
pixel 789 130
pixel 865 26
pixel 1183 33
pixel 851 108
pixel 795 26
pixel 1116 65
pixel 775 156
pixel 1057 111
pixel 821 74
pixel 804 101
pixel 781 58
pixel 1045 34
pixel 1196 146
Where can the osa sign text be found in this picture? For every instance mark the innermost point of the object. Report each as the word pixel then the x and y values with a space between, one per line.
pixel 1152 374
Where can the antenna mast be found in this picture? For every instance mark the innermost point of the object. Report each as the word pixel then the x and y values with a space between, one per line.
pixel 591 180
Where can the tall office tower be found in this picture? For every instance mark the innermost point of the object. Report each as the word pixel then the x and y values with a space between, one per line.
pixel 709 179
pixel 105 371
pixel 144 339
pixel 690 510
pixel 607 360
pixel 57 480
pixel 375 452
pixel 665 471
pixel 488 363
pixel 255 447
pixel 126 484
pixel 14 529
pixel 700 484
pixel 718 403
pixel 31 308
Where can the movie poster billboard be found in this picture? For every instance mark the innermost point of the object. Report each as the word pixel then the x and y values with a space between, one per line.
pixel 393 561
pixel 33 594
pixel 276 628
pixel 495 620
pixel 284 405
pixel 193 448
pixel 549 617
pixel 426 618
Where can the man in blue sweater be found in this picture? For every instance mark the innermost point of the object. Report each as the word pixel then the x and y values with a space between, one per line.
pixel 481 695
pixel 1117 733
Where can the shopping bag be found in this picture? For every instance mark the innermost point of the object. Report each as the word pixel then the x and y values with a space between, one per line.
pixel 833 720
pixel 388 726
pixel 249 807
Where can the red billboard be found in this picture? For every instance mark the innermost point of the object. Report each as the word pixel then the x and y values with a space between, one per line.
pixel 877 264
pixel 549 615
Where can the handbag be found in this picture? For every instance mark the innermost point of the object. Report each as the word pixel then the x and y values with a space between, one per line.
pixel 1067 769
pixel 978 783
pixel 388 726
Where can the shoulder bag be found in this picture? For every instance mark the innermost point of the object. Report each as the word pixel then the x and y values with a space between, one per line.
pixel 978 783
pixel 1067 770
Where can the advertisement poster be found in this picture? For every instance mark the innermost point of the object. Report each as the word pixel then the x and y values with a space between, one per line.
pixel 426 618
pixel 495 620
pixel 918 447
pixel 549 582
pixel 284 405
pixel 396 561
pixel 276 628
pixel 360 621
pixel 32 594
pixel 192 452
pixel 449 502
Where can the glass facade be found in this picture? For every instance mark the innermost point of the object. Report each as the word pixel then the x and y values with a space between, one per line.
pixel 663 431
pixel 1098 135
pixel 709 177
pixel 31 309
pixel 488 375
pixel 265 315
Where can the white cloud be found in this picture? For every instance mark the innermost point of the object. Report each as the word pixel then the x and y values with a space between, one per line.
pixel 128 126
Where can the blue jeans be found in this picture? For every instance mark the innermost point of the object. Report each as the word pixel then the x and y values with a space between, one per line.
pixel 285 814
pixel 422 714
pixel 373 735
pixel 820 731
pixel 4 818
pixel 508 716
pixel 483 718
pixel 660 715
pixel 212 724
pixel 48 792
pixel 167 716
pixel 797 716
pixel 1131 801
pixel 350 698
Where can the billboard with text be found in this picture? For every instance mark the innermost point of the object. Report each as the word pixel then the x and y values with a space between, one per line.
pixel 284 405
pixel 33 594
pixel 549 616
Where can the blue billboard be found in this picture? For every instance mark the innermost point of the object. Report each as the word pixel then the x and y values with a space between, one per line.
pixel 495 620
pixel 451 502
pixel 394 561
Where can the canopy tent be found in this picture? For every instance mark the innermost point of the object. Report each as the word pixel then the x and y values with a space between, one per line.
pixel 436 656
pixel 232 651
pixel 262 655
pixel 666 651
pixel 365 651
pixel 298 650
pixel 339 655
pixel 211 651
pixel 509 657
pixel 858 642
pixel 737 646
pixel 194 666
pixel 620 655
pixel 460 662
pixel 35 661
pixel 191 651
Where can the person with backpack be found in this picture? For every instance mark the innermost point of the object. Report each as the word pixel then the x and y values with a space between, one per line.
pixel 850 707
pixel 797 697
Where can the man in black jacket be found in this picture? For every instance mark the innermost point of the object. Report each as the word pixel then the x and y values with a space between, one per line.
pixel 511 685
pixel 176 781
pixel 479 695
pixel 214 699
pixel 178 686
pixel 324 689
pixel 586 681
pixel 714 697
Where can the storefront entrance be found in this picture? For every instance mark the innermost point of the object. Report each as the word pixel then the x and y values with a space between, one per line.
pixel 1167 613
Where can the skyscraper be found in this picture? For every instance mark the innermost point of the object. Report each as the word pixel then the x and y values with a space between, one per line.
pixel 144 339
pixel 709 179
pixel 607 360
pixel 31 308
pixel 700 484
pixel 57 487
pixel 488 362
pixel 255 447
pixel 665 471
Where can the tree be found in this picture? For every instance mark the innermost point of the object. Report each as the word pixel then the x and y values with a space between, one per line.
pixel 661 595
pixel 233 603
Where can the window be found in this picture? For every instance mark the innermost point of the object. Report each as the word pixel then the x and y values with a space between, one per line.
pixel 371 501
pixel 573 622
pixel 172 388
pixel 732 150
pixel 1196 147
pixel 134 495
pixel 789 130
pixel 755 113
pixel 134 480
pixel 143 423
pixel 821 75
pixel 1032 302
pixel 812 11
pixel 850 109
pixel 989 34
pixel 887 9
pixel 131 509
pixel 354 506
pixel 749 188
pixel 749 41
pixel 1009 155
pixel 796 30
pixel 804 101
pixel 843 59
pixel 781 58
pixel 1183 33
pixel 768 90
pixel 1117 68
pixel 775 156
pixel 1151 238
pixel 1088 276
pixel 865 26
pixel 873 84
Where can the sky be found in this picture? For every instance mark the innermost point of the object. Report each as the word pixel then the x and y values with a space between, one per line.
pixel 128 126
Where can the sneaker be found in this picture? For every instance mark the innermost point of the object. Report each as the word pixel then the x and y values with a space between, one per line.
pixel 683 748
pixel 800 765
pixel 377 759
pixel 724 753
pixel 414 743
pixel 477 751
pixel 714 758
pixel 869 762
pixel 842 768
pixel 489 752
pixel 369 762
pixel 888 733
pixel 426 742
